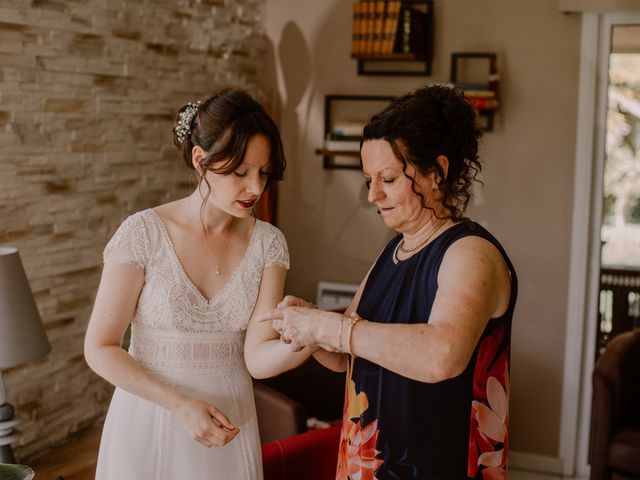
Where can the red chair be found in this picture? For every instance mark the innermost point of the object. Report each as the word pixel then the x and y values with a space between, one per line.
pixel 310 456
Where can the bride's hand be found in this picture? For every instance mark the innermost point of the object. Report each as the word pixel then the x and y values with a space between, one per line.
pixel 205 423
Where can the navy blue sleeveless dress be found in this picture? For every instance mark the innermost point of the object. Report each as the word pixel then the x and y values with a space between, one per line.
pixel 397 428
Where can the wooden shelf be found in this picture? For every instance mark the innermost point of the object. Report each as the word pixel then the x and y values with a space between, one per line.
pixel 392 57
pixel 333 153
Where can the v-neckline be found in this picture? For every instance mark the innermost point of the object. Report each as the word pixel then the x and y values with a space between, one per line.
pixel 186 276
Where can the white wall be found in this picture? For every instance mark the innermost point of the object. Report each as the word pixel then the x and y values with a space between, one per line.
pixel 526 202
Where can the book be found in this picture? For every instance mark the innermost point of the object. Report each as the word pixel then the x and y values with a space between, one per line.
pixel 369 26
pixel 378 22
pixel 342 145
pixel 355 28
pixel 347 128
pixel 390 26
pixel 479 93
pixel 482 103
pixel 412 32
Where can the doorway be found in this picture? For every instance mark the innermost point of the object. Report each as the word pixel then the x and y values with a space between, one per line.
pixel 607 137
pixel 619 292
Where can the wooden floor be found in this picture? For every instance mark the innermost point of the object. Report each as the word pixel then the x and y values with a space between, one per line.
pixel 75 461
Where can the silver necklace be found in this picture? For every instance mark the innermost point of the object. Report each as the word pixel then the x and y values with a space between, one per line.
pixel 224 249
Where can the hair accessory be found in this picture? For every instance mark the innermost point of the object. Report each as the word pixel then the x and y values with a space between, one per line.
pixel 184 121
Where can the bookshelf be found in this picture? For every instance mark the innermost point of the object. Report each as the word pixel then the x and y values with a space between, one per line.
pixel 344 118
pixel 476 74
pixel 393 37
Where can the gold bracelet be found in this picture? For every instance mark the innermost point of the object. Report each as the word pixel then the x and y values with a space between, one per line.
pixel 340 332
pixel 355 318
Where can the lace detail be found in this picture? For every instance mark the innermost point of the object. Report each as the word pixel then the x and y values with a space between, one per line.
pixel 277 252
pixel 173 352
pixel 169 301
pixel 130 243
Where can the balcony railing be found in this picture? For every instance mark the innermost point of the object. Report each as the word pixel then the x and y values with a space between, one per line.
pixel 619 305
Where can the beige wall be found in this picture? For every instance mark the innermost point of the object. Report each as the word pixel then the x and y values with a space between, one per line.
pixel 526 202
pixel 88 94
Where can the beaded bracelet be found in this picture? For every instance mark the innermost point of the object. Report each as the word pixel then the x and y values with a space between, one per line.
pixel 355 318
pixel 340 333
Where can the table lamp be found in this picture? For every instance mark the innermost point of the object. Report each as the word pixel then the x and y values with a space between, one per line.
pixel 22 337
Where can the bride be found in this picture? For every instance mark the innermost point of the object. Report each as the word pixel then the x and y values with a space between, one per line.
pixel 190 277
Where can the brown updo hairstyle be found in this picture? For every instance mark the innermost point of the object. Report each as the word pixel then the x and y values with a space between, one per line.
pixel 424 124
pixel 222 127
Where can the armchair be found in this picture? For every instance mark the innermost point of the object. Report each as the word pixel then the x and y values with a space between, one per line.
pixel 278 415
pixel 311 456
pixel 615 417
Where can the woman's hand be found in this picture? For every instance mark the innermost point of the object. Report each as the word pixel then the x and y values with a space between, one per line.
pixel 291 301
pixel 205 423
pixel 302 326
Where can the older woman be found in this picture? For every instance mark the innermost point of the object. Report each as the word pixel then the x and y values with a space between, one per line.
pixel 425 343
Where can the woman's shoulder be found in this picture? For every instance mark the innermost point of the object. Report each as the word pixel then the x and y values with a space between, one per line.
pixel 136 221
pixel 274 245
pixel 267 230
pixel 468 236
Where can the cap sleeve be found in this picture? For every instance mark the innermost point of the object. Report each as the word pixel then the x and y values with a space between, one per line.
pixel 277 252
pixel 130 243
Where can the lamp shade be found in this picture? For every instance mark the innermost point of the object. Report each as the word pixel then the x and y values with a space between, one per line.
pixel 22 336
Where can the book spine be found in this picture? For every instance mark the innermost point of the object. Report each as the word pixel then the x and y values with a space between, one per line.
pixel 354 28
pixel 391 26
pixel 370 29
pixel 380 7
pixel 482 103
pixel 479 93
pixel 405 37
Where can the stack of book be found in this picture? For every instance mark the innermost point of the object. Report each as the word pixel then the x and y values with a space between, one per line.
pixel 345 136
pixel 480 96
pixel 385 27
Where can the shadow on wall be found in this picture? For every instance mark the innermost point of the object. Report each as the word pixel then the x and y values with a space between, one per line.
pixel 294 68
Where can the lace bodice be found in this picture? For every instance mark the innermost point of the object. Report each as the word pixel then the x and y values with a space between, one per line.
pixel 173 320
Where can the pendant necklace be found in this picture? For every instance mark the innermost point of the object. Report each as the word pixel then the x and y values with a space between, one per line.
pixel 212 250
pixel 224 249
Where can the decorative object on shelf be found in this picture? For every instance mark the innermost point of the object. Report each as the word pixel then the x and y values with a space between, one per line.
pixel 393 37
pixel 344 119
pixel 22 337
pixel 476 74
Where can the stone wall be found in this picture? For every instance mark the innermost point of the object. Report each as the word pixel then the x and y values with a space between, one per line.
pixel 88 94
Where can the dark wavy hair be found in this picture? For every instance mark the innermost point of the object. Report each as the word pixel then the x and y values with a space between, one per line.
pixel 424 124
pixel 222 126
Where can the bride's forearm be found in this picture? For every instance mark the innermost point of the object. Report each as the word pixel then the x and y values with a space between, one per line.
pixel 272 357
pixel 117 367
pixel 335 361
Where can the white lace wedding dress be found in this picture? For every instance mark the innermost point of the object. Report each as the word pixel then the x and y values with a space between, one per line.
pixel 193 344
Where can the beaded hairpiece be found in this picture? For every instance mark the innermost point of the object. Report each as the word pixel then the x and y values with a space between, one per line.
pixel 184 121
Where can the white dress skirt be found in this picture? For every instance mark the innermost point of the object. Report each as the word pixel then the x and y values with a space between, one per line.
pixel 193 344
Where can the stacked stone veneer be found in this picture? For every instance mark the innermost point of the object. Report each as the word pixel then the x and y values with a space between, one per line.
pixel 88 94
